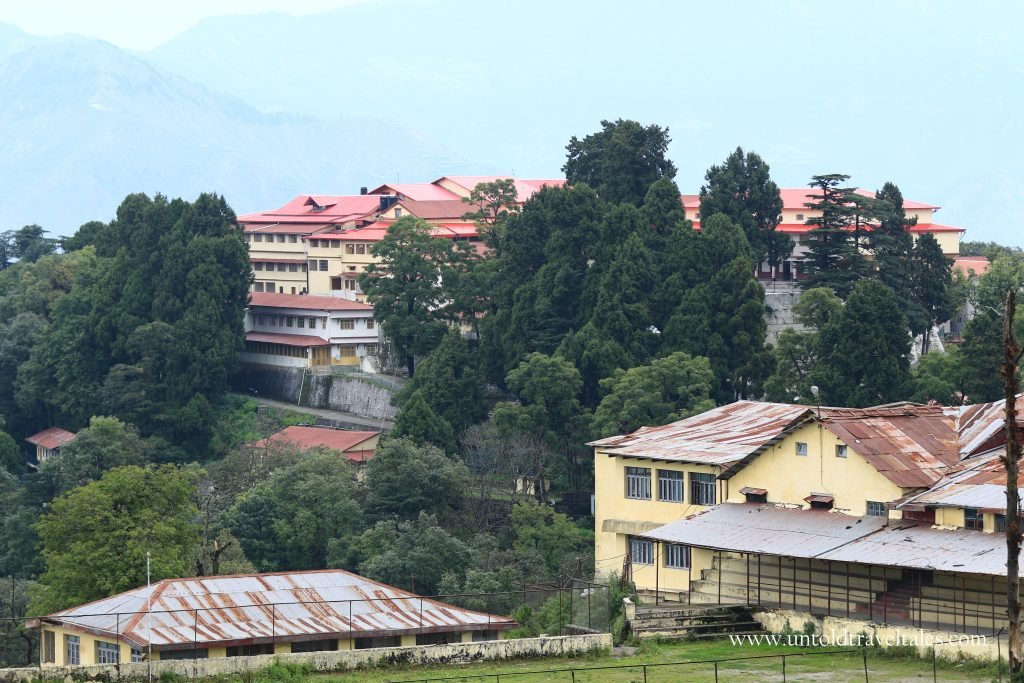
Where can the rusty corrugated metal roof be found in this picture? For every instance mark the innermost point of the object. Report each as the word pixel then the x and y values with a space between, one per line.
pixel 815 534
pixel 244 608
pixel 720 436
pixel 980 484
pixel 979 425
pixel 912 446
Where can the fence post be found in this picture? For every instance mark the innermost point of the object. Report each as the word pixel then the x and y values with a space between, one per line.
pixel 935 671
pixel 590 595
pixel 864 652
pixel 351 643
pixel 716 671
pixel 783 668
pixel 559 611
pixel 273 626
pixel 645 673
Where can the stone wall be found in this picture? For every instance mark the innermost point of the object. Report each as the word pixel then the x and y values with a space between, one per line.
pixel 779 303
pixel 350 393
pixel 454 653
pixel 852 632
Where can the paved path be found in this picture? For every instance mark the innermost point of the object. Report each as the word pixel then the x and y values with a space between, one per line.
pixel 335 415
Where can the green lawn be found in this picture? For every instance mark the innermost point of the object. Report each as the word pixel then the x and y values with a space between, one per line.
pixel 813 665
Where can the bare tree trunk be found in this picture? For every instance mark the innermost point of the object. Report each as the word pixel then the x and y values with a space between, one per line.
pixel 1012 463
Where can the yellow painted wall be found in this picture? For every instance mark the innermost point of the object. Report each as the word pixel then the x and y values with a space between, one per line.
pixel 949 241
pixel 790 478
pixel 87 647
pixel 613 509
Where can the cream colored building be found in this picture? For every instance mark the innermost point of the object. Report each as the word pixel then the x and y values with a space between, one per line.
pixel 254 614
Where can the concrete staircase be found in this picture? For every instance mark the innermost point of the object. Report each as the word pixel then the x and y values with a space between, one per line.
pixel 689 622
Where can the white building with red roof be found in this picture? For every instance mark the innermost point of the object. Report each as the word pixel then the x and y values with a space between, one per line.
pixel 302 331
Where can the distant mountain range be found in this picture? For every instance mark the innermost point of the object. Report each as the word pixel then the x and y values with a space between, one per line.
pixel 83 123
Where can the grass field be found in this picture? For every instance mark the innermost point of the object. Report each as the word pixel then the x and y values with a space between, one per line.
pixel 805 665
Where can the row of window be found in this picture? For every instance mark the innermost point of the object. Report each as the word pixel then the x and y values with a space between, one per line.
pixel 272 237
pixel 671 486
pixel 301 321
pixel 975 519
pixel 801 449
pixel 350 247
pixel 280 267
pixel 106 653
pixel 269 287
pixel 674 555
pixel 320 265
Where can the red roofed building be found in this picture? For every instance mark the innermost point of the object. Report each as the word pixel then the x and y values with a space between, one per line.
pixel 303 331
pixel 794 222
pixel 357 447
pixel 49 441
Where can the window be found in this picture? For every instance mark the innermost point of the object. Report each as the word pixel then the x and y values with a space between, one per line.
pixel 641 551
pixel 670 486
pixel 877 509
pixel 282 267
pixel 137 655
pixel 973 519
pixel 293 267
pixel 107 653
pixel 257 238
pixel 696 216
pixel 257 266
pixel 290 321
pixel 280 238
pixel 303 267
pixel 334 244
pixel 246 237
pixel 370 323
pixel 301 322
pixel 72 650
pixel 840 451
pixel 481 636
pixel 314 243
pixel 323 265
pixel 638 482
pixel 702 489
pixel 312 265
pixel 430 638
pixel 801 448
pixel 677 556
pixel 346 324
pixel 346 351
pixel 360 248
pixel 380 641
pixel 1000 521
pixel 398 213
pixel 350 248
pixel 293 239
pixel 270 287
pixel 49 647
pixel 799 216
pixel 315 646
pixel 258 286
pixel 200 653
pixel 251 650
pixel 350 285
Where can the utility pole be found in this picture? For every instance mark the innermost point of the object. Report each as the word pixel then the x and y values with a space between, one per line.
pixel 1011 461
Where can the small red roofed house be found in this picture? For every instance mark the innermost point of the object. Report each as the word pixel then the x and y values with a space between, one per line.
pixel 49 441
pixel 357 447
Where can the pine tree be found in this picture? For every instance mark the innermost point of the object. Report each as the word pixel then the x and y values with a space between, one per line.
pixel 893 246
pixel 866 350
pixel 833 259
pixel 931 274
pixel 418 422
pixel 742 189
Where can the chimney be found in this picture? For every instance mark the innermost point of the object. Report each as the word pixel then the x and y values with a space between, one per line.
pixel 362 190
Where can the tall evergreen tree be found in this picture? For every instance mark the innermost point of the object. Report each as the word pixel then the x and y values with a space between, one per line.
pixel 622 311
pixel 893 246
pixel 620 161
pixel 418 422
pixel 723 317
pixel 866 350
pixel 833 259
pixel 742 189
pixel 931 274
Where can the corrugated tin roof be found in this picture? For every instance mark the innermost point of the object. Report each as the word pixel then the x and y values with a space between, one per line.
pixel 912 446
pixel 720 436
pixel 51 438
pixel 325 437
pixel 207 610
pixel 981 484
pixel 306 302
pixel 767 529
pixel 979 425
pixel 815 534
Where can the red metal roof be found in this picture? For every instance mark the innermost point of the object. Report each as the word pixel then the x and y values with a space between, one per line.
pixel 416 191
pixel 301 340
pixel 315 210
pixel 794 198
pixel 51 438
pixel 435 210
pixel 307 302
pixel 325 437
pixel 965 264
pixel 525 187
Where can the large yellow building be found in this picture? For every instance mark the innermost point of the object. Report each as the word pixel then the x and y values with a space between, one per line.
pixel 254 614
pixel 877 513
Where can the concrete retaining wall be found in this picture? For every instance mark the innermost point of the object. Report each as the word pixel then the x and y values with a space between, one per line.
pixel 454 653
pixel 779 315
pixel 350 394
pixel 852 632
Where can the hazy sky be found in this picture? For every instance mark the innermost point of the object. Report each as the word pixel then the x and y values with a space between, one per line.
pixel 140 24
